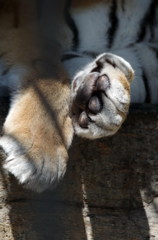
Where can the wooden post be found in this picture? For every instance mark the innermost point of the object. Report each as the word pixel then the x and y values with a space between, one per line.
pixel 110 190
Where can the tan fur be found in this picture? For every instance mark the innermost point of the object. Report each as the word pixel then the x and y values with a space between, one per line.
pixel 38 111
pixel 39 117
pixel 39 123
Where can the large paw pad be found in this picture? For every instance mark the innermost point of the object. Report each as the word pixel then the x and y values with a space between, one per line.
pixel 101 96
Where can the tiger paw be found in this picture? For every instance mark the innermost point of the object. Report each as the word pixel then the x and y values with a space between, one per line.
pixel 36 139
pixel 100 96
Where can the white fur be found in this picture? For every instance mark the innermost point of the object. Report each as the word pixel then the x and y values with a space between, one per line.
pixel 92 23
pixel 16 162
pixel 36 177
pixel 129 22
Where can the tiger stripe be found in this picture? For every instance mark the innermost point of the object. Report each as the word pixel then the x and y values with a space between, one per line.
pixel 114 23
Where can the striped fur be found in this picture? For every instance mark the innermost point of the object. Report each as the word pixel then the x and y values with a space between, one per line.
pixel 97 41
pixel 122 27
pixel 126 28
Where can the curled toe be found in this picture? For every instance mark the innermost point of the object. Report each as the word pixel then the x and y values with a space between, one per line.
pixel 83 120
pixel 94 105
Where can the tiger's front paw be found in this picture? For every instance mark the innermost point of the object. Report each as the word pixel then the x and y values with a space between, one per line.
pixel 36 138
pixel 100 96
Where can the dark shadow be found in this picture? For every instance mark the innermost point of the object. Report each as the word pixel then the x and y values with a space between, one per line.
pixel 118 173
pixel 113 171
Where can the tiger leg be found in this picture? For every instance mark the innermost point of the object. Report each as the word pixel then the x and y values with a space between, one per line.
pixel 37 133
